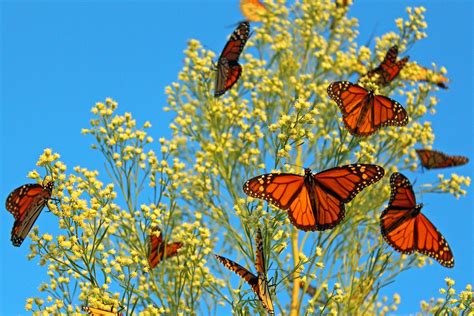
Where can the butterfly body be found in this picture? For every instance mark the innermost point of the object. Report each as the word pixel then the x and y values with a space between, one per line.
pixel 314 201
pixel 25 203
pixel 407 230
pixel 228 67
pixel 363 111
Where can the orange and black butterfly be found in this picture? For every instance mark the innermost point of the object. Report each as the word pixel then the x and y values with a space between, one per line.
pixel 432 159
pixel 100 312
pixel 407 230
pixel 428 75
pixel 26 204
pixel 314 201
pixel 253 10
pixel 259 282
pixel 389 68
pixel 158 250
pixel 228 67
pixel 364 112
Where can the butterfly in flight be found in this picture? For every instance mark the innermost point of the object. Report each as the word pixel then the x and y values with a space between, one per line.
pixel 228 67
pixel 364 112
pixel 158 250
pixel 389 68
pixel 259 282
pixel 432 159
pixel 100 312
pixel 314 201
pixel 428 75
pixel 26 203
pixel 407 230
pixel 253 10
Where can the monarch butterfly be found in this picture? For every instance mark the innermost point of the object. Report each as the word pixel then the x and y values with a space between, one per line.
pixel 158 250
pixel 228 67
pixel 259 282
pixel 421 73
pixel 310 290
pixel 314 201
pixel 253 10
pixel 406 229
pixel 100 312
pixel 26 203
pixel 364 112
pixel 432 159
pixel 389 68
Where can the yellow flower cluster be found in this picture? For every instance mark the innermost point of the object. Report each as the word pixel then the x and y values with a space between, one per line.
pixel 453 302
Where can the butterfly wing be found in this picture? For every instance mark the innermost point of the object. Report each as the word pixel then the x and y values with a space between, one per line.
pixel 227 76
pixel 228 68
pixel 159 251
pixel 287 192
pixel 430 242
pixel 253 10
pixel 364 113
pixel 260 264
pixel 339 185
pixel 245 274
pixel 397 221
pixel 432 159
pixel 26 203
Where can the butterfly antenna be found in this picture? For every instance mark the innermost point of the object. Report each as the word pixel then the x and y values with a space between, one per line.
pixel 372 35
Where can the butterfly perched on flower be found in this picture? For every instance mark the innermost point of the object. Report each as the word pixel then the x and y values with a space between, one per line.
pixel 253 10
pixel 158 250
pixel 100 312
pixel 26 204
pixel 228 67
pixel 314 201
pixel 406 229
pixel 432 159
pixel 389 68
pixel 363 111
pixel 259 282
pixel 420 73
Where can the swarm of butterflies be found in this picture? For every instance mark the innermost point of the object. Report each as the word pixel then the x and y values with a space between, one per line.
pixel 314 201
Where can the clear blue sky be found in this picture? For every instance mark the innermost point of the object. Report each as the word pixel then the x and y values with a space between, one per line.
pixel 59 58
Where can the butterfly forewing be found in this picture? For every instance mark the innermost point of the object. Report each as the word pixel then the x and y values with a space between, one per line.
pixel 245 274
pixel 430 242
